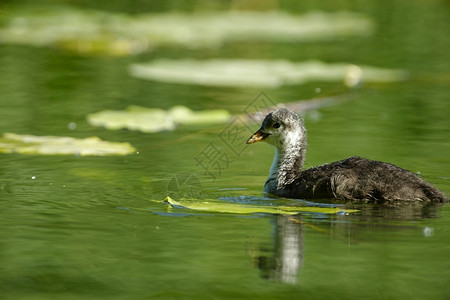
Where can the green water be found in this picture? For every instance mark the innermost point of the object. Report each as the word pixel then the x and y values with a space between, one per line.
pixel 94 227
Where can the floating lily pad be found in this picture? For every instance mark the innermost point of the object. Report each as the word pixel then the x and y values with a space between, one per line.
pixel 52 145
pixel 155 119
pixel 143 119
pixel 92 32
pixel 235 208
pixel 261 73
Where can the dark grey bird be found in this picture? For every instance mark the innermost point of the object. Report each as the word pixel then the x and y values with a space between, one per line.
pixel 355 178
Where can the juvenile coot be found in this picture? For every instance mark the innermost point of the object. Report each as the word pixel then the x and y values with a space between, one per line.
pixel 354 178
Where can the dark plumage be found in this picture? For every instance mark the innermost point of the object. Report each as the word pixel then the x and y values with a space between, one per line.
pixel 354 178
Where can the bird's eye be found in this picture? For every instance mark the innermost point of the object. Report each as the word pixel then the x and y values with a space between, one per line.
pixel 276 125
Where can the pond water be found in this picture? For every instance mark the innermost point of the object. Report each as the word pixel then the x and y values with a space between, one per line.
pixel 96 227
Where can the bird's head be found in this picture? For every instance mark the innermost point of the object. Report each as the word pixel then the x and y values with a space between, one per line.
pixel 281 128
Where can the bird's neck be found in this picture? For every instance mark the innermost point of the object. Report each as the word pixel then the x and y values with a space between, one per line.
pixel 287 163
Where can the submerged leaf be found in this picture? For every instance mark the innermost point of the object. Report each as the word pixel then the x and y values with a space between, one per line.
pixel 155 119
pixel 235 208
pixel 51 145
pixel 263 73
pixel 92 32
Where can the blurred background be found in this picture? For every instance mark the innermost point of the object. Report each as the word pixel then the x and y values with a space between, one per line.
pixel 177 80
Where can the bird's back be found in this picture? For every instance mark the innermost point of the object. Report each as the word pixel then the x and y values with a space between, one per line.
pixel 357 178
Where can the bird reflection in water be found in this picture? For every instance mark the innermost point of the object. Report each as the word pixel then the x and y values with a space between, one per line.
pixel 285 259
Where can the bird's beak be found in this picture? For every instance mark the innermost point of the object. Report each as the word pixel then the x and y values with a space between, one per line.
pixel 257 137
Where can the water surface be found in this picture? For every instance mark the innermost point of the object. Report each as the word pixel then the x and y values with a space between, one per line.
pixel 95 227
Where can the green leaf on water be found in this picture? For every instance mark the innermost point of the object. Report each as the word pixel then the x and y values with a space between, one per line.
pixel 99 32
pixel 235 208
pixel 155 119
pixel 60 145
pixel 133 118
pixel 260 73
pixel 184 116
